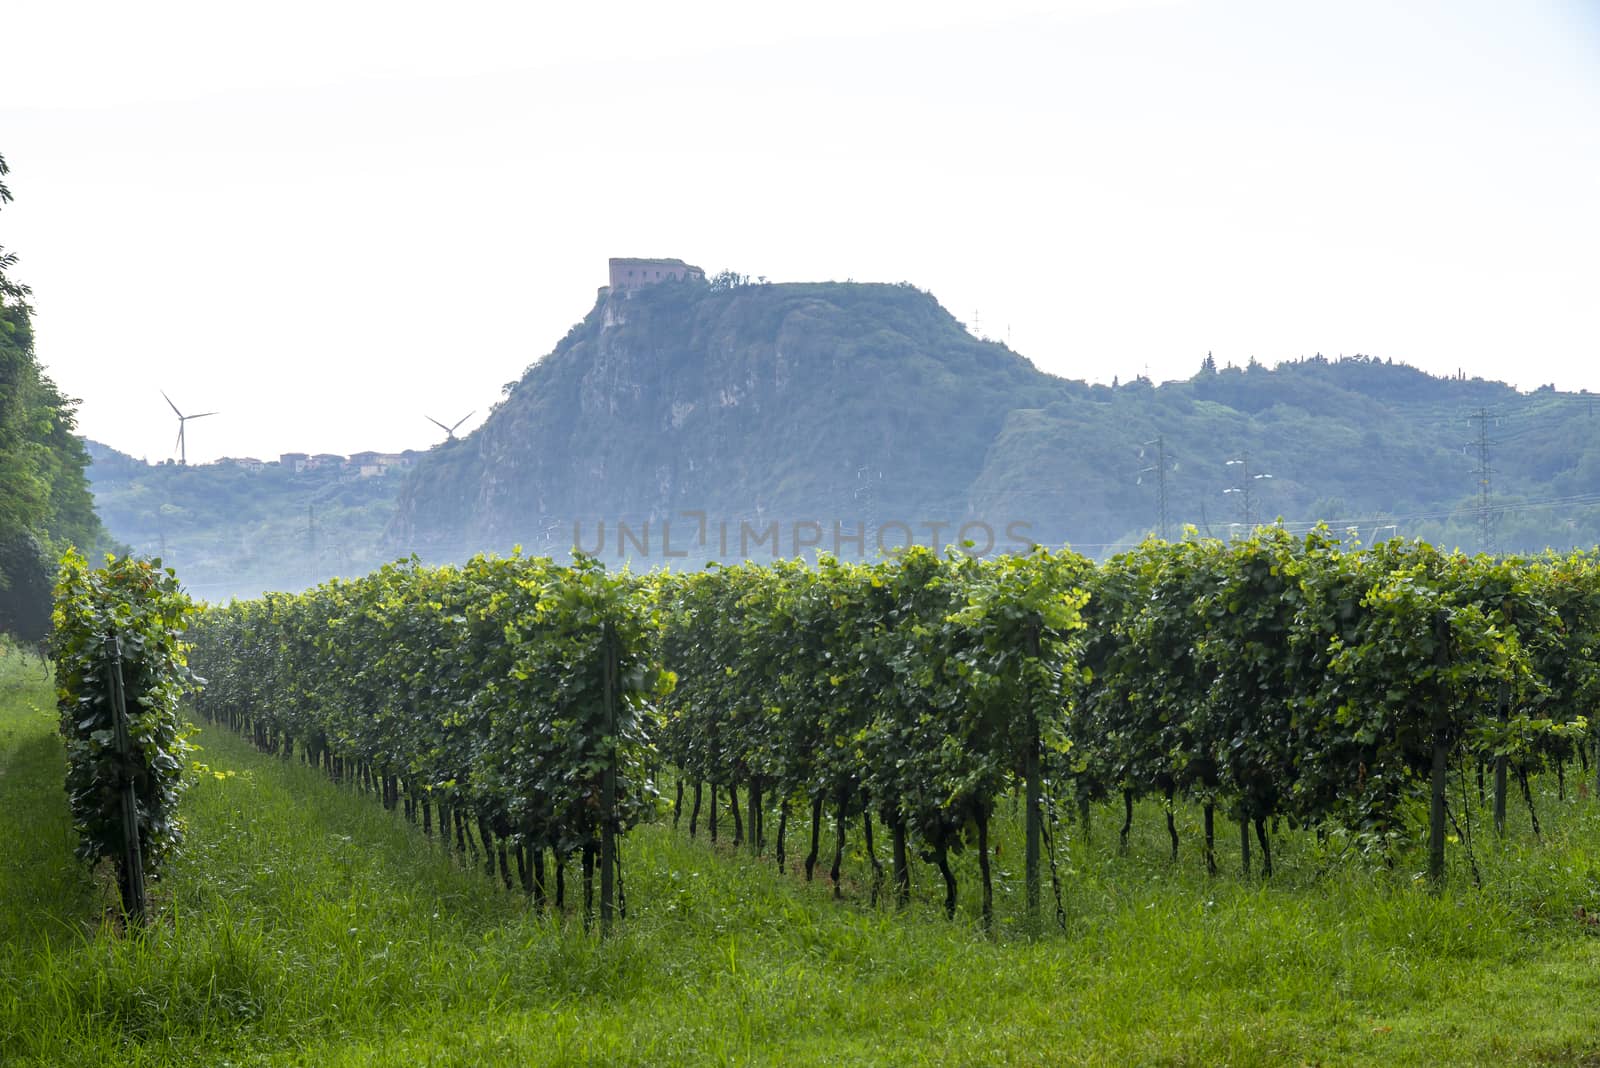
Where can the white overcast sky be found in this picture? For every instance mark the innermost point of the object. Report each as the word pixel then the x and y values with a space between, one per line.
pixel 326 220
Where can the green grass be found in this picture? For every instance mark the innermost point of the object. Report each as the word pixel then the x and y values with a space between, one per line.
pixel 306 926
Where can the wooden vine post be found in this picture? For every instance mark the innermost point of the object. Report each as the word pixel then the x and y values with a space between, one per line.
pixel 1033 784
pixel 608 784
pixel 1500 765
pixel 133 890
pixel 753 820
pixel 1441 754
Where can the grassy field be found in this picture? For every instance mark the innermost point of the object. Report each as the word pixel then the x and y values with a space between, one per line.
pixel 305 926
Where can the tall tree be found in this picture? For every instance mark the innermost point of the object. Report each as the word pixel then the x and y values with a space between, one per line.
pixel 45 503
pixel 9 291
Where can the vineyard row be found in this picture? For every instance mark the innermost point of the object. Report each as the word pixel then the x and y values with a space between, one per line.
pixel 1278 678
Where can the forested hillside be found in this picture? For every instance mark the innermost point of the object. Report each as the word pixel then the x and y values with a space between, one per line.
pixel 45 504
pixel 232 531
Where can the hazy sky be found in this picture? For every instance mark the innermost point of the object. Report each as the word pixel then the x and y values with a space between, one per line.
pixel 326 220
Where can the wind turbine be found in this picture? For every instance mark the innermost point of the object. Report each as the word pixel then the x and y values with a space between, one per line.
pixel 450 431
pixel 183 453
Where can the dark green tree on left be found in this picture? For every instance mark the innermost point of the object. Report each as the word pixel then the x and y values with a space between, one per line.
pixel 45 504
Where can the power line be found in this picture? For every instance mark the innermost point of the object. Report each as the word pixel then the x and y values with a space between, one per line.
pixel 1577 500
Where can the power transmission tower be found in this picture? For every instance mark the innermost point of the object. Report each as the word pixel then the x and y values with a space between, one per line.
pixel 311 542
pixel 1485 472
pixel 1245 491
pixel 866 501
pixel 1160 471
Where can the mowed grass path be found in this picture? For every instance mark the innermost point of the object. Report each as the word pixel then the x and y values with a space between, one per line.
pixel 305 926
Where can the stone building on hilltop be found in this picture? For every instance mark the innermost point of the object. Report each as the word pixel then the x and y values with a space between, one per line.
pixel 628 273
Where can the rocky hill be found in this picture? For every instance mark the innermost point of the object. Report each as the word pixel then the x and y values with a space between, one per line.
pixel 771 403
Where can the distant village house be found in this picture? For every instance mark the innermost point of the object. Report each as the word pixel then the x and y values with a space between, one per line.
pixel 377 464
pixel 369 464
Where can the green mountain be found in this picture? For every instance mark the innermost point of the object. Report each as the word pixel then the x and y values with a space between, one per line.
pixel 814 404
pixel 231 530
